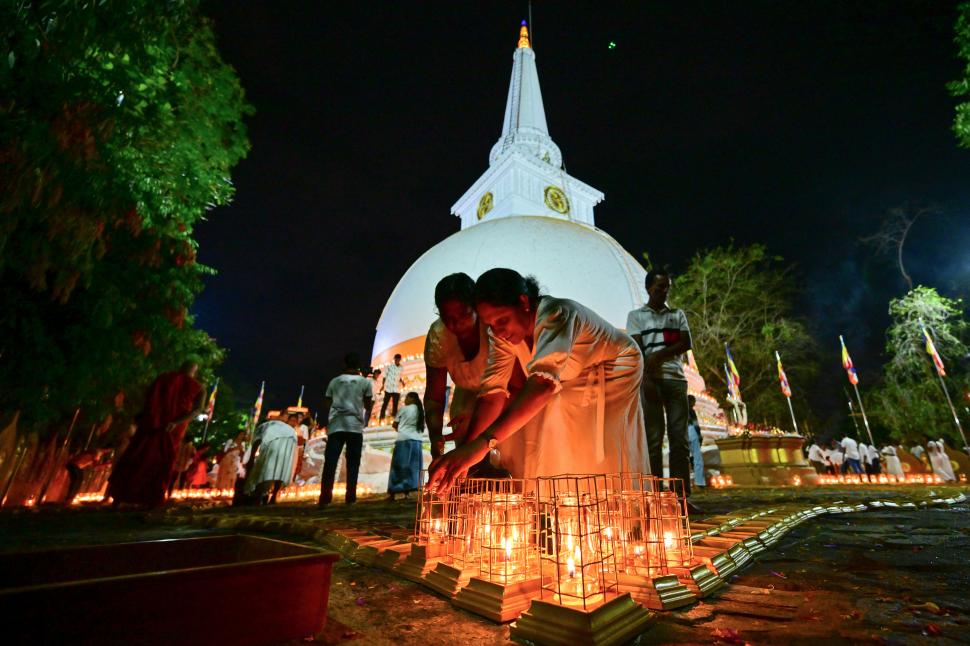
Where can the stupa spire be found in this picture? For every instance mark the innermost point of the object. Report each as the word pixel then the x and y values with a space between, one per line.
pixel 524 128
pixel 525 175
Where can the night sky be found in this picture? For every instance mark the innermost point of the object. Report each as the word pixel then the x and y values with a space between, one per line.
pixel 797 125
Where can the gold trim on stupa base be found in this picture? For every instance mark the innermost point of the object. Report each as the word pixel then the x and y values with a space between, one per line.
pixel 500 603
pixel 447 580
pixel 422 559
pixel 700 579
pixel 657 593
pixel 617 621
pixel 389 558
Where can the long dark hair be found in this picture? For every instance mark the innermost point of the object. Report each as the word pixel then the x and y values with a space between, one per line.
pixel 501 286
pixel 458 287
pixel 413 396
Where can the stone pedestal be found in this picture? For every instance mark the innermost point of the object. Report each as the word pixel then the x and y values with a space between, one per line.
pixel 495 601
pixel 766 460
pixel 617 621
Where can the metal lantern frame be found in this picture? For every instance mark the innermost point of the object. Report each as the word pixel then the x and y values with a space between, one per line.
pixel 577 561
pixel 500 515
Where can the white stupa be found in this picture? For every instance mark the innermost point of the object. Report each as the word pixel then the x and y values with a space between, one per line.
pixel 526 213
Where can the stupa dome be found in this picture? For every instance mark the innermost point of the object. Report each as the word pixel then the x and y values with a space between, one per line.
pixel 570 260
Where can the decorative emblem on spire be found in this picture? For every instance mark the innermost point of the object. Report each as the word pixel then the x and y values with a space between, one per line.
pixel 524 36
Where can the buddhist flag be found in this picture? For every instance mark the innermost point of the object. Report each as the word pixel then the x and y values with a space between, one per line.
pixel 731 391
pixel 847 364
pixel 733 375
pixel 212 400
pixel 782 379
pixel 258 406
pixel 299 400
pixel 931 350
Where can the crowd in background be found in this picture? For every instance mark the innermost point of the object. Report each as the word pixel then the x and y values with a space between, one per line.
pixel 850 456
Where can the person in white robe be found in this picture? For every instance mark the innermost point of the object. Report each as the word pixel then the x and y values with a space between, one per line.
pixel 940 461
pixel 579 409
pixel 272 468
pixel 875 460
pixel 894 466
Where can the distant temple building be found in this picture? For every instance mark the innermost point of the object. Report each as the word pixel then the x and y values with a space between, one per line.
pixel 527 213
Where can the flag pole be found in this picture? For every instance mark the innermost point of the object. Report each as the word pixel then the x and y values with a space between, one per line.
pixel 211 409
pixel 938 368
pixel 953 411
pixel 865 420
pixel 788 398
pixel 792 411
pixel 205 431
pixel 848 398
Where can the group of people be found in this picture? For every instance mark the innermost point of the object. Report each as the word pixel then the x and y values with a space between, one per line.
pixel 543 386
pixel 935 455
pixel 850 456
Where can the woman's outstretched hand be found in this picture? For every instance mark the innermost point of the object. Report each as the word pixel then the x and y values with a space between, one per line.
pixel 444 471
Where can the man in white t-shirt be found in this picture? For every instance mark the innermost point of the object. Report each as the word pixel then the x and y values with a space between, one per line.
pixel 851 459
pixel 817 458
pixel 392 387
pixel 350 398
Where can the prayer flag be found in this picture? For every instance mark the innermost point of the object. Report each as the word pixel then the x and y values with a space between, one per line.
pixel 731 391
pixel 931 350
pixel 299 400
pixel 847 364
pixel 782 379
pixel 212 400
pixel 734 375
pixel 258 406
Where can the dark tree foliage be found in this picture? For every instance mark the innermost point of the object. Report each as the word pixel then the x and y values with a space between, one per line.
pixel 961 87
pixel 745 297
pixel 119 125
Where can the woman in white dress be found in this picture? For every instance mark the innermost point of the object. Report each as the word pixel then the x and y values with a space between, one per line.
pixel 579 409
pixel 940 461
pixel 893 465
pixel 406 459
pixel 456 346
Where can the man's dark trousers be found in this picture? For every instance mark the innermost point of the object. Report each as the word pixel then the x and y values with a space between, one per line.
pixel 335 444
pixel 667 398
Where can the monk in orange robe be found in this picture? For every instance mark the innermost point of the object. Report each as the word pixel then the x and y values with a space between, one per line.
pixel 144 470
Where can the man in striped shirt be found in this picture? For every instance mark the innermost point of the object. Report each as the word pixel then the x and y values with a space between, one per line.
pixel 664 336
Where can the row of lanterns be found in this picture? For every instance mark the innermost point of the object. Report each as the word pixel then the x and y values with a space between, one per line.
pixel 882 479
pixel 571 543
